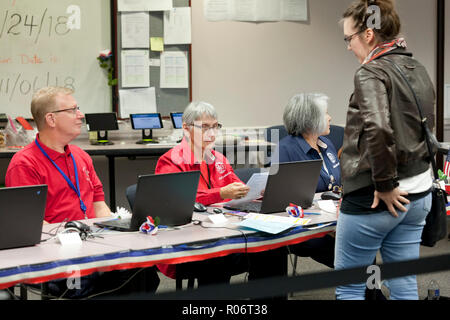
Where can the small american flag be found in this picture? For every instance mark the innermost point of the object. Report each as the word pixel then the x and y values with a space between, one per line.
pixel 447 165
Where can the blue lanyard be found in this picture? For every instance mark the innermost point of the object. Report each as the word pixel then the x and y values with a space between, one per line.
pixel 77 189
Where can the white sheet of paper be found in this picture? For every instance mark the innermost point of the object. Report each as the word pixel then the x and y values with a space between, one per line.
pixel 266 226
pixel 244 10
pixel 135 68
pixel 271 223
pixel 137 101
pixel 144 5
pixel 174 70
pixel 294 10
pixel 135 30
pixel 268 10
pixel 256 10
pixel 177 26
pixel 256 183
pixel 327 205
pixel 216 10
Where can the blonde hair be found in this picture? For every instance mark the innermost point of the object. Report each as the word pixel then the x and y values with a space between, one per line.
pixel 43 102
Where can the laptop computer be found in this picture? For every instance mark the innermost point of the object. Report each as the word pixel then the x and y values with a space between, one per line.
pixel 22 215
pixel 170 197
pixel 295 182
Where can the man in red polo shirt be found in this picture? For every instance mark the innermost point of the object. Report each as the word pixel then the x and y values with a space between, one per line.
pixel 59 121
pixel 74 189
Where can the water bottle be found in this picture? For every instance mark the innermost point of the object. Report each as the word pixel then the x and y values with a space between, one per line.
pixel 433 290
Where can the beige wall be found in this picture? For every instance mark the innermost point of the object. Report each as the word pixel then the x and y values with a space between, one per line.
pixel 250 70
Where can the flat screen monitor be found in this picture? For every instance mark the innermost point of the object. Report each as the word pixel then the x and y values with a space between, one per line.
pixel 177 119
pixel 146 122
pixel 142 121
pixel 101 122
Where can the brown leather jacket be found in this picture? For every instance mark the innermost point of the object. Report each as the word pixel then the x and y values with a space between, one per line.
pixel 383 139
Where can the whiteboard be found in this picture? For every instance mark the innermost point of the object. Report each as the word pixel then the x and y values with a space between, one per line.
pixel 38 48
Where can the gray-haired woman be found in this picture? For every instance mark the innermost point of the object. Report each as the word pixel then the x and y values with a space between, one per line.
pixel 307 121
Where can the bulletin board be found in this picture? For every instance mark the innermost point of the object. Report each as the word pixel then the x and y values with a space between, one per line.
pixel 167 99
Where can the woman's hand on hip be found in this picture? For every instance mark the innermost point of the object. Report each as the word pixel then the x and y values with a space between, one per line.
pixel 393 199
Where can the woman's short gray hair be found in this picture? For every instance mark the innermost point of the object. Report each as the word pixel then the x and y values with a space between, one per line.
pixel 195 110
pixel 305 113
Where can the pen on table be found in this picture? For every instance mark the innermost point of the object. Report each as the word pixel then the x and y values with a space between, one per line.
pixel 312 213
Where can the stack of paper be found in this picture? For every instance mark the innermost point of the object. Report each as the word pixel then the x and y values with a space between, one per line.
pixel 271 223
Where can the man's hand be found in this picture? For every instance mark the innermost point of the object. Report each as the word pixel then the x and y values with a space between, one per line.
pixel 235 190
pixel 101 209
pixel 391 198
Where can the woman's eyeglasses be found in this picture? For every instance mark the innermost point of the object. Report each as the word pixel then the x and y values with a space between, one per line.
pixel 349 38
pixel 205 127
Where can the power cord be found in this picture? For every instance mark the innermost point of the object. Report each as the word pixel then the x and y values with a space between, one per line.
pixel 291 261
pixel 61 297
pixel 198 222
pixel 53 235
pixel 115 289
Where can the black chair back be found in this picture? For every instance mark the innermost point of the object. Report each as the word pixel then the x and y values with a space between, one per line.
pixel 336 136
pixel 131 195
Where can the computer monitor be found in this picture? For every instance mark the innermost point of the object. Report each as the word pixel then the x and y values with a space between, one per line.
pixel 146 122
pixel 101 122
pixel 177 119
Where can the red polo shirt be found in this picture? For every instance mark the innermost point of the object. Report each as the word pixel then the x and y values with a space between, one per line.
pixel 30 167
pixel 181 158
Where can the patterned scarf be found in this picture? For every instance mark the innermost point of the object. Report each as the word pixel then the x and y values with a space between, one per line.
pixel 384 48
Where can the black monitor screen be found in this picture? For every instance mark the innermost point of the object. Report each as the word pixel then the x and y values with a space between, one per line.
pixel 146 121
pixel 177 119
pixel 101 121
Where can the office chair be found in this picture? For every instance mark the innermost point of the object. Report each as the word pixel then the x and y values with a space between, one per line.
pixel 131 195
pixel 282 132
pixel 336 136
pixel 245 173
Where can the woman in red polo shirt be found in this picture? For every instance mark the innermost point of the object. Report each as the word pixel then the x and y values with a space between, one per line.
pixel 218 183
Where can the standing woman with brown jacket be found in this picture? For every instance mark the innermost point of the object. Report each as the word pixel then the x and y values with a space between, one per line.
pixel 386 174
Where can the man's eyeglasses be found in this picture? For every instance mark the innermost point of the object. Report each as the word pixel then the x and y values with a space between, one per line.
pixel 349 38
pixel 206 128
pixel 72 110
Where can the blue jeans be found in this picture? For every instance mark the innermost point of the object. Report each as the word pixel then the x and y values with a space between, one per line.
pixel 359 237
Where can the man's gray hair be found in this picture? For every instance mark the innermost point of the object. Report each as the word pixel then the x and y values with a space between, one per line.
pixel 196 109
pixel 305 113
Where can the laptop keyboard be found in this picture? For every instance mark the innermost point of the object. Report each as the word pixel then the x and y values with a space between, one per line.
pixel 247 207
pixel 119 223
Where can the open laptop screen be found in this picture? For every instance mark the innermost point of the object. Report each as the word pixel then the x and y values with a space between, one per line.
pixel 22 215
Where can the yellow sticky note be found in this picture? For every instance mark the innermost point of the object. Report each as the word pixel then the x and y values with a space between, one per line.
pixel 156 44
